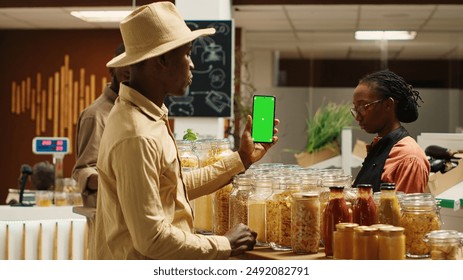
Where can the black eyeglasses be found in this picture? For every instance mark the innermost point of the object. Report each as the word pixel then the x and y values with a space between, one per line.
pixel 361 109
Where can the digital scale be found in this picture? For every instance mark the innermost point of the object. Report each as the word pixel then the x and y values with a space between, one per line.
pixel 58 147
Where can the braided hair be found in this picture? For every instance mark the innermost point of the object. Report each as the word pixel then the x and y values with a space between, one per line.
pixel 389 84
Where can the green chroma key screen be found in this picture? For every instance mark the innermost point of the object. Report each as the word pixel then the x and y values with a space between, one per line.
pixel 263 115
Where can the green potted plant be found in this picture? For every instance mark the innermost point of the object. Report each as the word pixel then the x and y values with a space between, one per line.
pixel 323 133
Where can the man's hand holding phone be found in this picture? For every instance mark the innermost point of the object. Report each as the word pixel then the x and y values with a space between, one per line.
pixel 249 151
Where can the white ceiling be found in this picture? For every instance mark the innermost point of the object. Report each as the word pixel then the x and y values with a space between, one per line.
pixel 306 31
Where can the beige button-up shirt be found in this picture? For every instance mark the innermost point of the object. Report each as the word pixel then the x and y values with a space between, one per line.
pixel 89 130
pixel 143 210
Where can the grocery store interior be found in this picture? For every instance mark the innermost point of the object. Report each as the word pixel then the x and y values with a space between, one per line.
pixel 302 52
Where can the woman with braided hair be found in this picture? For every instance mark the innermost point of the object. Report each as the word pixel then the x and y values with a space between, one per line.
pixel 382 101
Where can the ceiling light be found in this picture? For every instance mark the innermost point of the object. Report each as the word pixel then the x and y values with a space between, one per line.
pixel 385 35
pixel 101 16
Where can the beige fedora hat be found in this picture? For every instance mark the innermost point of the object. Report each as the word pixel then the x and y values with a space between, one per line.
pixel 153 30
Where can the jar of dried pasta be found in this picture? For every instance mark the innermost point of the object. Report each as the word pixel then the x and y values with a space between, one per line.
pixel 223 148
pixel 310 180
pixel 290 185
pixel 305 223
pixel 419 217
pixel 272 212
pixel 189 160
pixel 238 204
pixel 221 203
pixel 221 198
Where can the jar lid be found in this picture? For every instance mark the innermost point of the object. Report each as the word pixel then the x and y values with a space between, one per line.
pixel 293 183
pixel 366 229
pixel 442 236
pixel 391 229
pixel 346 226
pixel 419 199
pixel 336 187
pixel 387 186
pixel 380 226
pixel 243 180
pixel 263 184
pixel 305 195
pixel 364 186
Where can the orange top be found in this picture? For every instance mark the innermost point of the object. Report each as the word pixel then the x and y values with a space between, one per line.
pixel 407 166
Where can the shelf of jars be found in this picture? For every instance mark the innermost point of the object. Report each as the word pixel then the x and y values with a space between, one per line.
pixel 309 213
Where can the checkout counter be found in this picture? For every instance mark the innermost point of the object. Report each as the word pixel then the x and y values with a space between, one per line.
pixel 42 233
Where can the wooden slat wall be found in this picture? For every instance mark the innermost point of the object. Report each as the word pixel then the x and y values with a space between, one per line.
pixel 89 50
pixel 70 98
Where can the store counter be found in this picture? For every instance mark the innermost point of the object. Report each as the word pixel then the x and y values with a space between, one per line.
pixel 42 233
pixel 266 253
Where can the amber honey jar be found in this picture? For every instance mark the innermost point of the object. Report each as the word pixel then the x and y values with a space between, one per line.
pixel 343 240
pixel 391 243
pixel 365 243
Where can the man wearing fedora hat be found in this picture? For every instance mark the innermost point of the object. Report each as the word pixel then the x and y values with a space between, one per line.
pixel 143 202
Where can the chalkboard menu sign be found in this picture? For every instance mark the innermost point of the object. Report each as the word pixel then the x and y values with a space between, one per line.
pixel 210 94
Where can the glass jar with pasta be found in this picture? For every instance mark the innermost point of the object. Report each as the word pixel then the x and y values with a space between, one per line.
pixel 221 198
pixel 272 213
pixel 419 217
pixel 189 160
pixel 290 185
pixel 305 223
pixel 238 204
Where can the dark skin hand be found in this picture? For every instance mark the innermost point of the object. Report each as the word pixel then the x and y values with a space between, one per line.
pixel 92 182
pixel 251 152
pixel 241 238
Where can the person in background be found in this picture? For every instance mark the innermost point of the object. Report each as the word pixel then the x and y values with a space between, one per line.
pixel 43 176
pixel 143 197
pixel 382 100
pixel 89 130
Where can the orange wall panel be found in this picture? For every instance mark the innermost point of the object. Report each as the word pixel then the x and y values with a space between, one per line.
pixel 33 57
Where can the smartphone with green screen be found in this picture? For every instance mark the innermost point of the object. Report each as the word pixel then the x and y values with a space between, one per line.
pixel 263 116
